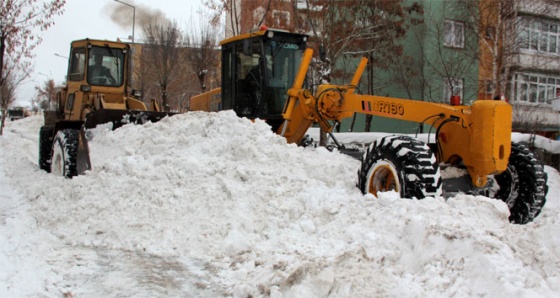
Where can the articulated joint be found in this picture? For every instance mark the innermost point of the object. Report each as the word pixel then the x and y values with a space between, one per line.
pixel 329 104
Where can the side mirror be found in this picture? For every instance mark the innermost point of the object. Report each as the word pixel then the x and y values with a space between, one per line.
pixel 137 93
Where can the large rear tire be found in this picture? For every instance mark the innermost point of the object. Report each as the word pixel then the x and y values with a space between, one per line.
pixel 523 185
pixel 65 153
pixel 45 148
pixel 402 164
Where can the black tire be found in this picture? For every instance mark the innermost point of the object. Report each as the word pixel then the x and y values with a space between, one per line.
pixel 65 153
pixel 402 164
pixel 45 148
pixel 523 185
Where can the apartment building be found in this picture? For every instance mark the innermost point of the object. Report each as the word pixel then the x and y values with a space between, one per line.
pixel 534 80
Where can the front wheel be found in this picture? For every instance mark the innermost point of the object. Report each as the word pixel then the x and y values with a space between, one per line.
pixel 522 185
pixel 45 148
pixel 64 160
pixel 402 164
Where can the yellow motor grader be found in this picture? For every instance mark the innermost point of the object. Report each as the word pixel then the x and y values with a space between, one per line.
pixel 263 74
pixel 97 91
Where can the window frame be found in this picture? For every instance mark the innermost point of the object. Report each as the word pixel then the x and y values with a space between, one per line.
pixel 77 66
pixel 535 89
pixel 110 57
pixel 539 36
pixel 453 41
pixel 281 18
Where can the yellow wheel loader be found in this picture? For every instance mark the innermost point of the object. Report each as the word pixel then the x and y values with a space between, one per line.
pixel 97 91
pixel 263 74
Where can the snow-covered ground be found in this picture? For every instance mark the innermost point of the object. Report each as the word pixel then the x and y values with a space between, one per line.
pixel 210 205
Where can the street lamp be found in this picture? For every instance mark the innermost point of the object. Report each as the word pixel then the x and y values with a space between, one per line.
pixel 58 55
pixel 133 16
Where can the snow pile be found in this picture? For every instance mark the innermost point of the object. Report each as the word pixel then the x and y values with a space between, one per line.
pixel 208 204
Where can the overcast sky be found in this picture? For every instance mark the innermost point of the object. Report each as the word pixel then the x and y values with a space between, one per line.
pixel 99 19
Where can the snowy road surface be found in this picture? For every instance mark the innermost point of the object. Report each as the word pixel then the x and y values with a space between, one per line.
pixel 210 205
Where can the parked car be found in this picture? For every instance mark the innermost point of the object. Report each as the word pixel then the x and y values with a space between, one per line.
pixel 16 113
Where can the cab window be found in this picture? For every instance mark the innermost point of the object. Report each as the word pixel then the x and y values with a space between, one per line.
pixel 77 64
pixel 105 66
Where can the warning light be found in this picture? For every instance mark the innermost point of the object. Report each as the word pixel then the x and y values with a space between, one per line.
pixel 455 100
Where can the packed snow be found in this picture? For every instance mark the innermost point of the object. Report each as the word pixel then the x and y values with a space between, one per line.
pixel 212 205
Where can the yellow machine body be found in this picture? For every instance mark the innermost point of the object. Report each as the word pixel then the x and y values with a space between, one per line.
pixel 477 136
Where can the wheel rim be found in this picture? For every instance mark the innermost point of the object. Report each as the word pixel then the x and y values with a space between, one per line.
pixel 383 177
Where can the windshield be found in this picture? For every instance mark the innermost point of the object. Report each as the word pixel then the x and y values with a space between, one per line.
pixel 282 58
pixel 105 66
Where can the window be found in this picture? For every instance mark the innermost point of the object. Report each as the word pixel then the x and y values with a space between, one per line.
pixel 249 81
pixel 452 86
pixel 105 66
pixel 489 87
pixel 490 33
pixel 281 18
pixel 538 35
pixel 77 64
pixel 535 88
pixel 228 83
pixel 454 34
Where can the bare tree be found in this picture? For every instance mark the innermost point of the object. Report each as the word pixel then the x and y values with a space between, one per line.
pixel 241 16
pixel 17 39
pixel 163 39
pixel 203 55
pixel 11 78
pixel 494 23
pixel 349 29
pixel 337 29
pixel 144 78
pixel 449 55
pixel 45 95
pixel 232 12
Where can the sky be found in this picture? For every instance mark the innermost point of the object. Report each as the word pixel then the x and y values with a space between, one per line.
pixel 99 19
pixel 213 205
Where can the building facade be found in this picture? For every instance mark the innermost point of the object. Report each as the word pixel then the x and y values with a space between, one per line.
pixel 436 63
pixel 534 80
